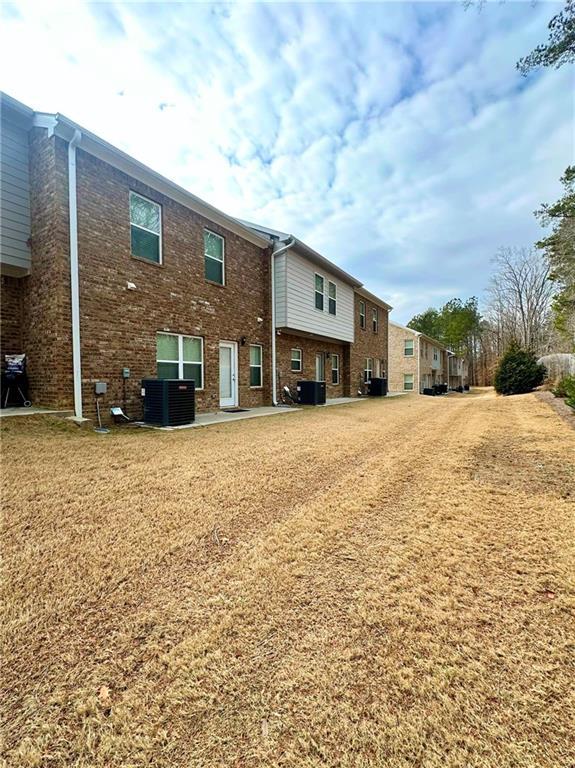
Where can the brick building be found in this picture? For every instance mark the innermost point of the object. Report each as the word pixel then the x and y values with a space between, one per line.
pixel 112 273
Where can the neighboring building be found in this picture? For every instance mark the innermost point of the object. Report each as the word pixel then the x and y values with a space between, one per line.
pixel 458 371
pixel 416 361
pixel 112 273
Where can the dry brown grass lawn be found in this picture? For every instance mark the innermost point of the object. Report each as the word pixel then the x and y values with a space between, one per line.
pixel 381 584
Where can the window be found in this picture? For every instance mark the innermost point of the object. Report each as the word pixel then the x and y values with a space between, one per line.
pixel 335 369
pixel 362 314
pixel 332 298
pixel 435 354
pixel 319 289
pixel 145 228
pixel 408 382
pixel 213 257
pixel 375 320
pixel 408 347
pixel 296 360
pixel 180 357
pixel 367 369
pixel 255 365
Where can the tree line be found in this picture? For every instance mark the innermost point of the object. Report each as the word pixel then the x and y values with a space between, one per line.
pixel 530 300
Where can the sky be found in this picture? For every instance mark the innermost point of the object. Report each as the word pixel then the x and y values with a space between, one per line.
pixel 396 138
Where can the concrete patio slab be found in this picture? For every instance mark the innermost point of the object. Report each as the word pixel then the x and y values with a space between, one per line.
pixel 223 417
pixel 32 411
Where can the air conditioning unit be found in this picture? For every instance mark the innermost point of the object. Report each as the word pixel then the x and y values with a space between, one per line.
pixel 311 392
pixel 428 391
pixel 169 402
pixel 377 387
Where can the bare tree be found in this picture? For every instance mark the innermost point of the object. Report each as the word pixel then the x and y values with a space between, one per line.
pixel 519 304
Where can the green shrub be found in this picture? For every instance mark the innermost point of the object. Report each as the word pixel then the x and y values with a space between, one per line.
pixel 566 388
pixel 518 372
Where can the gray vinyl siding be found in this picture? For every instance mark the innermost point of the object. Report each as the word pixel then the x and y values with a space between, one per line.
pixel 14 196
pixel 280 290
pixel 301 313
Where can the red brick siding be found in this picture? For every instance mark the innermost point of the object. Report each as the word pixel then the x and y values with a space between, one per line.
pixel 119 326
pixel 46 333
pixel 11 316
pixel 310 347
pixel 367 343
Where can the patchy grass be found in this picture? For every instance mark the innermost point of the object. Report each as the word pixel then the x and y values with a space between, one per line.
pixel 381 584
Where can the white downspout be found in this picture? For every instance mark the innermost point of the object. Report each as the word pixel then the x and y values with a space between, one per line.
pixel 275 253
pixel 418 365
pixel 74 276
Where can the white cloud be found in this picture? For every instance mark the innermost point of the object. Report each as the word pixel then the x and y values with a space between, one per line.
pixel 396 138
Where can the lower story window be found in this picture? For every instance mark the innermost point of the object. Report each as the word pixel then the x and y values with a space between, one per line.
pixel 296 360
pixel 255 365
pixel 408 382
pixel 180 357
pixel 368 369
pixel 335 369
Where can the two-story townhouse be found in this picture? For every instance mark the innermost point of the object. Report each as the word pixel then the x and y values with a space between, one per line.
pixel 458 371
pixel 416 361
pixel 112 273
pixel 328 327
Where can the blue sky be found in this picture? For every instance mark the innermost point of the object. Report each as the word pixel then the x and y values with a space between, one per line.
pixel 395 138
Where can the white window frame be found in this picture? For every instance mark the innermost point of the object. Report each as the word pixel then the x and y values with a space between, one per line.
pixel 319 293
pixel 330 298
pixel 375 319
pixel 299 361
pixel 335 368
pixel 260 366
pixel 180 360
pixel 368 369
pixel 362 315
pixel 405 347
pixel 408 385
pixel 145 229
pixel 213 258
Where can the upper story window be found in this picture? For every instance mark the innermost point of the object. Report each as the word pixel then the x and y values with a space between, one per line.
pixel 296 360
pixel 435 354
pixel 362 314
pixel 255 365
pixel 319 291
pixel 180 357
pixel 375 320
pixel 145 228
pixel 408 347
pixel 214 257
pixel 332 298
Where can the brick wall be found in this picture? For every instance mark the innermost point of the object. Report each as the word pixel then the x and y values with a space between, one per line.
pixel 119 325
pixel 11 316
pixel 46 333
pixel 367 343
pixel 310 347
pixel 399 364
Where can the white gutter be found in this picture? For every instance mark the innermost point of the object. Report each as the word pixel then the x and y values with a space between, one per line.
pixel 74 276
pixel 275 253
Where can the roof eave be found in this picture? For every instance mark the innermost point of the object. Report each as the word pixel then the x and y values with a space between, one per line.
pixel 65 128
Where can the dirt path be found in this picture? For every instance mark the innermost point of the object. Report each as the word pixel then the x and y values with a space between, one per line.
pixel 381 584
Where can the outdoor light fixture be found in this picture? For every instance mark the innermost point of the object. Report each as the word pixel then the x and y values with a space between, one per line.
pixel 243 341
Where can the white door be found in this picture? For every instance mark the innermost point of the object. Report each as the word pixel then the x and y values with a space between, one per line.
pixel 228 374
pixel 320 367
